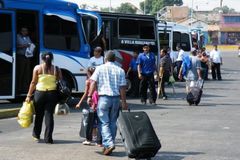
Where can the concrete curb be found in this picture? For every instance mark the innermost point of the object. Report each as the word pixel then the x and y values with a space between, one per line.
pixel 8 113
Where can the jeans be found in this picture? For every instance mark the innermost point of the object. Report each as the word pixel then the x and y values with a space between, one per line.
pixel 108 111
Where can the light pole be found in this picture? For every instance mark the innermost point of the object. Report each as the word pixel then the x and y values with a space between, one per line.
pixel 144 7
pixel 191 15
pixel 110 5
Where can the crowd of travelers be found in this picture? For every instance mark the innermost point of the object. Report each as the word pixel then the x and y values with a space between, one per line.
pixel 105 90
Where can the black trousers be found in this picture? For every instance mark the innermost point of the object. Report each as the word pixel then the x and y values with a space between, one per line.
pixel 216 69
pixel 146 82
pixel 178 64
pixel 44 102
pixel 23 73
pixel 165 79
pixel 133 77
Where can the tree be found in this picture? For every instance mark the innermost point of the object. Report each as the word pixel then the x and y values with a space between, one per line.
pixel 224 9
pixel 153 6
pixel 126 8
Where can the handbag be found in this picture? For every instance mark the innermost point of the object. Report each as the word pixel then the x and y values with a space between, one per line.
pixel 25 115
pixel 61 109
pixel 63 91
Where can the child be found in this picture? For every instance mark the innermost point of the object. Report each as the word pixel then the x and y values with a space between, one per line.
pixel 91 132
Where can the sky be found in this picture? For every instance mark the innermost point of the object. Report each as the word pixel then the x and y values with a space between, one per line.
pixel 197 4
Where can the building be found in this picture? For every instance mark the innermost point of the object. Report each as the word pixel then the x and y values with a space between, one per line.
pixel 230 29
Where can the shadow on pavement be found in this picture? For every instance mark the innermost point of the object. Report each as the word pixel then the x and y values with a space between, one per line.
pixel 174 155
pixel 65 141
pixel 114 154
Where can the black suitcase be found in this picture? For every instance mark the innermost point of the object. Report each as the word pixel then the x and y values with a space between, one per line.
pixel 138 135
pixel 194 96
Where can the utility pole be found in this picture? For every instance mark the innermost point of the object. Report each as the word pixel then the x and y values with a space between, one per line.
pixel 110 5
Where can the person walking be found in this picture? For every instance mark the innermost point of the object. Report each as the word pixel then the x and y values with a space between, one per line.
pixel 93 129
pixel 43 85
pixel 194 72
pixel 146 69
pixel 165 70
pixel 111 85
pixel 97 59
pixel 132 74
pixel 216 62
pixel 179 59
pixel 24 55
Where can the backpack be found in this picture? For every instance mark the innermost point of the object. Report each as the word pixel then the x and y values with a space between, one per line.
pixel 186 65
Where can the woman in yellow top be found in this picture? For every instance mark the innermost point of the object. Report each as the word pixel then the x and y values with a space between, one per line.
pixel 43 85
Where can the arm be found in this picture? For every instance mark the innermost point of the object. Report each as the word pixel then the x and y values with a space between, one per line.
pixel 33 84
pixel 87 84
pixel 199 73
pixel 180 73
pixel 129 69
pixel 123 97
pixel 93 85
pixel 139 71
pixel 59 74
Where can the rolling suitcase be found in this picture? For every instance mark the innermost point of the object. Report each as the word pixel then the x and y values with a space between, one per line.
pixel 138 135
pixel 195 94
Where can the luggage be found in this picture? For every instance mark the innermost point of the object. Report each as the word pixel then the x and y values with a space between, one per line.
pixel 138 135
pixel 195 94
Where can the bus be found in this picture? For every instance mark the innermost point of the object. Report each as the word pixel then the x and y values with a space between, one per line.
pixel 55 26
pixel 125 33
pixel 172 34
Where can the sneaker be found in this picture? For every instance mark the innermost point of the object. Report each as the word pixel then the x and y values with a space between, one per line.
pixel 164 98
pixel 35 139
pixel 108 151
pixel 86 142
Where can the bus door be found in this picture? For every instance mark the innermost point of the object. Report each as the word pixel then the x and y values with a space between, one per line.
pixel 7 54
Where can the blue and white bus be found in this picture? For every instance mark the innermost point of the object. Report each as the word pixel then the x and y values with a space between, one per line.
pixel 54 25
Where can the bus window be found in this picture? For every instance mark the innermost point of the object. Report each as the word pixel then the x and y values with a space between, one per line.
pixel 181 39
pixel 136 29
pixel 60 34
pixel 176 40
pixel 164 40
pixel 6 34
pixel 6 42
pixel 146 30
pixel 185 42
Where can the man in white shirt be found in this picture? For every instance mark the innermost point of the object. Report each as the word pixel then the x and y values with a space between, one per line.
pixel 216 62
pixel 97 59
pixel 179 59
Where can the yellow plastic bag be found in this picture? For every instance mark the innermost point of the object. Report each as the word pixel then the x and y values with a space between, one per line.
pixel 25 115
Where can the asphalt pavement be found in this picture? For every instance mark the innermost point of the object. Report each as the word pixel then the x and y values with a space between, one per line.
pixel 205 132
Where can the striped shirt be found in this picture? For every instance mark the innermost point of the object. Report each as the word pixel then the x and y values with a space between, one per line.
pixel 109 78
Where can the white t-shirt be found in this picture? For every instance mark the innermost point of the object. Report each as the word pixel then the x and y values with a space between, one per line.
pixel 95 61
pixel 215 56
pixel 180 55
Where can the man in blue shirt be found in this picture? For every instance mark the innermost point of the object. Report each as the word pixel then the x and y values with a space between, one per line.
pixel 132 74
pixel 146 69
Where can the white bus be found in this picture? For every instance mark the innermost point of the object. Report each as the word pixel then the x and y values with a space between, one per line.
pixel 55 26
pixel 172 34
